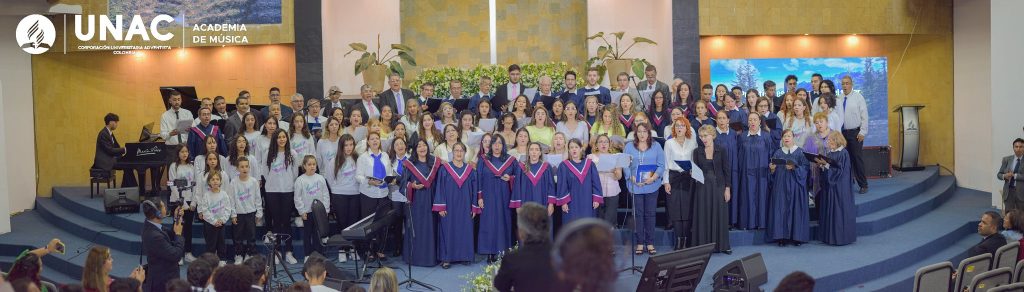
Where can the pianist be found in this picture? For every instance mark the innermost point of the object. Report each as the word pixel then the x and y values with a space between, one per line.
pixel 107 148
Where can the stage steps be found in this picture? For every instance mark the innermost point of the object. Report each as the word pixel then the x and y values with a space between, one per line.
pixel 889 203
pixel 905 222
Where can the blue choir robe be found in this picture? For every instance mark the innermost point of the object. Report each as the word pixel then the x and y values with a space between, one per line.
pixel 697 124
pixel 660 120
pixel 754 155
pixel 495 235
pixel 474 103
pixel 729 141
pixel 604 95
pixel 579 187
pixel 456 192
pixel 420 245
pixel 590 121
pixel 627 123
pixel 788 207
pixel 775 130
pixel 738 115
pixel 196 140
pixel 535 183
pixel 571 95
pixel 838 211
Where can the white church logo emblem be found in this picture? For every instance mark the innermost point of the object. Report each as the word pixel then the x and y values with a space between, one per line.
pixel 35 34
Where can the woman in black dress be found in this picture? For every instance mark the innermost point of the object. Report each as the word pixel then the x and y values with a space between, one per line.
pixel 710 201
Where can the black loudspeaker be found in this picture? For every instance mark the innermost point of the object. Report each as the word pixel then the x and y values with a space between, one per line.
pixel 743 275
pixel 123 200
pixel 877 161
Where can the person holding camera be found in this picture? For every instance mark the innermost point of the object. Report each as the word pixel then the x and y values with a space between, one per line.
pixel 163 248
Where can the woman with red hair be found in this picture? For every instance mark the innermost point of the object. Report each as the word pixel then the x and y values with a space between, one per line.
pixel 678 182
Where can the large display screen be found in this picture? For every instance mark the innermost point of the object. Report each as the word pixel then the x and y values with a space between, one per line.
pixel 869 75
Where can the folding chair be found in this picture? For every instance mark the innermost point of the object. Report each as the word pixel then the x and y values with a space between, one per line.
pixel 1015 287
pixel 935 277
pixel 969 268
pixel 985 281
pixel 1006 256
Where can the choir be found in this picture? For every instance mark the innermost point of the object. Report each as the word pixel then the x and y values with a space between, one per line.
pixel 720 164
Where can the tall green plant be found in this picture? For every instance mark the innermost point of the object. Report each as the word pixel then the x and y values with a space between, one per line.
pixel 367 59
pixel 611 50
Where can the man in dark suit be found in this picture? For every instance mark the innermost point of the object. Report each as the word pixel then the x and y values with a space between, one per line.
pixel 107 148
pixel 163 248
pixel 235 125
pixel 991 240
pixel 651 82
pixel 509 91
pixel 366 105
pixel 1013 182
pixel 529 268
pixel 395 96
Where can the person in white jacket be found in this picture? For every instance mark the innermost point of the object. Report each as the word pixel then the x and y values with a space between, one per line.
pixel 248 205
pixel 309 188
pixel 183 169
pixel 215 211
pixel 371 171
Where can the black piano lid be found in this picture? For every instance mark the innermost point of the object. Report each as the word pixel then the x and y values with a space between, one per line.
pixel 189 98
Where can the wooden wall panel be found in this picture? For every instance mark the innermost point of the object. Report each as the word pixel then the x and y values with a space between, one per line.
pixel 923 75
pixel 73 92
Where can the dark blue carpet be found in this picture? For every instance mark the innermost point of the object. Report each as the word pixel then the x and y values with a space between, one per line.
pixel 905 222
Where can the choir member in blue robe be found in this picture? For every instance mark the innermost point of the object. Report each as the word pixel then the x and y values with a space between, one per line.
pixel 627 108
pixel 579 190
pixel 789 221
pixel 728 140
pixel 535 181
pixel 711 197
pixel 733 110
pixel 772 122
pixel 701 116
pixel 455 199
pixel 659 112
pixel 838 211
pixel 417 183
pixel 496 174
pixel 754 155
pixel 197 135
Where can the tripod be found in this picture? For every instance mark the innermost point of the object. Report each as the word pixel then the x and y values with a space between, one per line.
pixel 632 239
pixel 275 257
pixel 412 232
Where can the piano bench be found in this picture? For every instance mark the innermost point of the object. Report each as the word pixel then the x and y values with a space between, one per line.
pixel 98 176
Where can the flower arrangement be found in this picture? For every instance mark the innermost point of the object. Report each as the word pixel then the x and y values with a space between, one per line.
pixel 470 78
pixel 484 281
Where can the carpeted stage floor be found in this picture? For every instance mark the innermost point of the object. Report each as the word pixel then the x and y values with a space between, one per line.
pixel 904 222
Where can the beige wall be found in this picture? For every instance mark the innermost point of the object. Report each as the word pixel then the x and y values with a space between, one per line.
pixel 924 75
pixel 1007 115
pixel 648 18
pixel 972 95
pixel 19 190
pixel 372 17
pixel 759 17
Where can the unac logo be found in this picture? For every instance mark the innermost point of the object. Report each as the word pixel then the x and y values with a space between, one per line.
pixel 35 34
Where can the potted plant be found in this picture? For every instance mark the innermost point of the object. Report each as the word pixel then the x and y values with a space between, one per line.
pixel 375 65
pixel 613 59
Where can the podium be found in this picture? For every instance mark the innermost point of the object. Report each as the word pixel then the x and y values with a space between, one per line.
pixel 910 138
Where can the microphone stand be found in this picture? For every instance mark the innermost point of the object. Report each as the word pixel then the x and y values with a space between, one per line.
pixel 412 232
pixel 632 239
pixel 636 85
